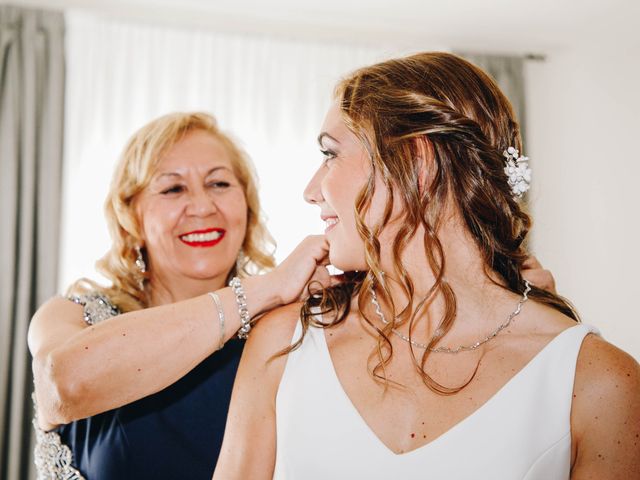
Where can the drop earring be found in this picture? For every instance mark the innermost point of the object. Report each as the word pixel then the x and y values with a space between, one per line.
pixel 142 266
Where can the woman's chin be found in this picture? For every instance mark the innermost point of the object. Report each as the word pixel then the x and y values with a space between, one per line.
pixel 207 274
pixel 346 263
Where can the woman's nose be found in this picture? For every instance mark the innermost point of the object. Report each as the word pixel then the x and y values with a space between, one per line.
pixel 201 203
pixel 312 193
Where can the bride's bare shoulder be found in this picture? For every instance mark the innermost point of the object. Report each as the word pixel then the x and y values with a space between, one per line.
pixel 280 321
pixel 605 415
pixel 274 331
pixel 605 373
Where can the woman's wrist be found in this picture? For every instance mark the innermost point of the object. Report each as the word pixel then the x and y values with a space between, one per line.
pixel 262 293
pixel 243 310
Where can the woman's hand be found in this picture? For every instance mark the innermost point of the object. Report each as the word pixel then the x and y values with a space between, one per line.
pixel 533 271
pixel 307 263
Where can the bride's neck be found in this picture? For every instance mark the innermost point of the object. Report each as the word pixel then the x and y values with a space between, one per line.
pixel 464 272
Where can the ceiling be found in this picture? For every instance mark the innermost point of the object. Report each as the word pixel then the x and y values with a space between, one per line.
pixel 490 25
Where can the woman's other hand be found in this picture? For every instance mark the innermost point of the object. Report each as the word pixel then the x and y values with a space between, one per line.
pixel 533 272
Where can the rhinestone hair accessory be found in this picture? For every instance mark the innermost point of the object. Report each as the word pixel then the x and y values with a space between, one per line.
pixel 517 171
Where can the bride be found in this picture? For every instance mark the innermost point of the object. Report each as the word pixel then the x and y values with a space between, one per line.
pixel 435 359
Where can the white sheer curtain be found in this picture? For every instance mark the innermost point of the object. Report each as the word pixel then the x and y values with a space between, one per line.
pixel 270 93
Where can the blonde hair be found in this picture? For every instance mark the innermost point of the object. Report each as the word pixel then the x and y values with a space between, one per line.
pixel 133 173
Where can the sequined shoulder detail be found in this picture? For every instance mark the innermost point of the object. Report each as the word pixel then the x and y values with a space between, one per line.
pixel 97 307
pixel 52 458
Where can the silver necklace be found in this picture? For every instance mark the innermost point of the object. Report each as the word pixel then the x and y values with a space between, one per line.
pixel 461 348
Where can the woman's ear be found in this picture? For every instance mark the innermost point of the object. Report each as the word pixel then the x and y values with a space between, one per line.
pixel 135 226
pixel 425 161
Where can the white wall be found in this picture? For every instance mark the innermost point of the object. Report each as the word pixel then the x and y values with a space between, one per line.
pixel 584 125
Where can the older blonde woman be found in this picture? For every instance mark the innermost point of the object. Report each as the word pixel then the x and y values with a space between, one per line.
pixel 129 381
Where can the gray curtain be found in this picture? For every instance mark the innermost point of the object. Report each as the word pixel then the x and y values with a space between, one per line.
pixel 508 72
pixel 31 130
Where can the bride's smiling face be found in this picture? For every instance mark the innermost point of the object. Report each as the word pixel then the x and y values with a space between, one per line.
pixel 335 186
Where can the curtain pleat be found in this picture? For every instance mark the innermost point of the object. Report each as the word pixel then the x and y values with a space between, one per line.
pixel 31 138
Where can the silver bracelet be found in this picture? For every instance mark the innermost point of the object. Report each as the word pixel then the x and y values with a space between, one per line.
pixel 216 300
pixel 241 300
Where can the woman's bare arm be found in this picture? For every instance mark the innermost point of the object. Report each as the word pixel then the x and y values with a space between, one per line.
pixel 605 416
pixel 82 370
pixel 249 446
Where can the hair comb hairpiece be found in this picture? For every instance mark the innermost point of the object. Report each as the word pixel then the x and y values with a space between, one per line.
pixel 518 171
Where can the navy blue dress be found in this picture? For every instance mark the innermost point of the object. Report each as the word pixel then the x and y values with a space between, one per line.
pixel 174 434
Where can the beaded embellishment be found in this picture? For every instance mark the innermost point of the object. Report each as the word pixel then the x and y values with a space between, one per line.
pixel 97 307
pixel 51 456
pixel 53 459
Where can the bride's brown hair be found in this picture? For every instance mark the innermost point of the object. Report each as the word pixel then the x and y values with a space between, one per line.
pixel 468 123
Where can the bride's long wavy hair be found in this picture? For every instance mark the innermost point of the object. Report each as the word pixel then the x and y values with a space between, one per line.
pixel 137 165
pixel 459 110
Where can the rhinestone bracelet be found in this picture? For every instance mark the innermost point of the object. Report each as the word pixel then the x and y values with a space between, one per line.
pixel 241 300
pixel 216 300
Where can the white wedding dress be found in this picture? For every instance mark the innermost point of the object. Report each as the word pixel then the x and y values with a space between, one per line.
pixel 521 432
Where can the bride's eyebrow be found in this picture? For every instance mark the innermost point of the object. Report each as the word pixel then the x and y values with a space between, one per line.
pixel 325 134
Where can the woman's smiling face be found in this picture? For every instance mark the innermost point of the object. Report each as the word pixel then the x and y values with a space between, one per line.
pixel 335 186
pixel 193 213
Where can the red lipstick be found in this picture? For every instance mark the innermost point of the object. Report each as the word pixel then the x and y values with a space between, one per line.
pixel 194 238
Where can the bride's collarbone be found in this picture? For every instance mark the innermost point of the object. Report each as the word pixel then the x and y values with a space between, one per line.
pixel 402 411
